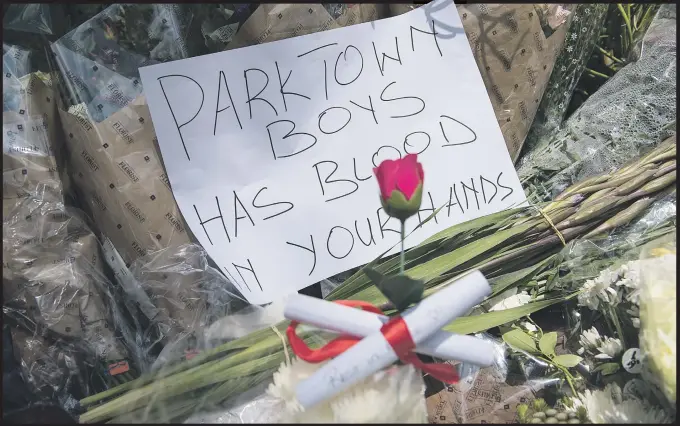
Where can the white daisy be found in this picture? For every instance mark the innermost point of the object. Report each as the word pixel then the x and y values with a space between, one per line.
pixel 570 48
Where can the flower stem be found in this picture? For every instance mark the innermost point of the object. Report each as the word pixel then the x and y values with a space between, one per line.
pixel 617 325
pixel 402 260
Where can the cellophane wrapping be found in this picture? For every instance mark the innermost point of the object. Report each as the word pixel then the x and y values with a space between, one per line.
pixel 629 115
pixel 60 306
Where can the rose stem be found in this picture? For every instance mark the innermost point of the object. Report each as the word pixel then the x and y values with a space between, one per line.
pixel 401 258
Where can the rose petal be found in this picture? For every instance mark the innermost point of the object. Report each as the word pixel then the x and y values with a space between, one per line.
pixel 407 182
pixel 386 174
pixel 408 176
pixel 421 173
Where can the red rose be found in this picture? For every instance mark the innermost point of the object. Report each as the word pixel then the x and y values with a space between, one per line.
pixel 401 184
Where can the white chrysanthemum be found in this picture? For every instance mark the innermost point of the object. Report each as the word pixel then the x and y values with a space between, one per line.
pixel 591 293
pixel 609 348
pixel 612 286
pixel 607 406
pixel 590 339
pixel 396 395
pixel 509 301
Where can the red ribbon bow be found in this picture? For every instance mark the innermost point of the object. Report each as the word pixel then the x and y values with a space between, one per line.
pixel 396 333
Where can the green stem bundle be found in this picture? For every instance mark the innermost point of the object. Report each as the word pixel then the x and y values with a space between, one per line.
pixel 510 247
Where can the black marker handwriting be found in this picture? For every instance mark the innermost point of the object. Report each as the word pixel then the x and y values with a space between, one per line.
pixel 312 250
pixel 283 85
pixel 324 112
pixel 237 217
pixel 328 181
pixel 179 126
pixel 287 203
pixel 433 34
pixel 223 77
pixel 203 222
pixel 344 54
pixel 382 98
pixel 448 143
pixel 370 108
pixel 256 97
pixel 328 242
pixel 290 134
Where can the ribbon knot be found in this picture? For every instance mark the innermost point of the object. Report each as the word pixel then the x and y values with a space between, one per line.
pixel 395 332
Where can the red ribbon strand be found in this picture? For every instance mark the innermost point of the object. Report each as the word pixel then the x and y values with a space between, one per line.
pixel 395 332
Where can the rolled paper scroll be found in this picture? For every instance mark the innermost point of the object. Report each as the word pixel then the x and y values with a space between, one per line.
pixel 374 352
pixel 358 323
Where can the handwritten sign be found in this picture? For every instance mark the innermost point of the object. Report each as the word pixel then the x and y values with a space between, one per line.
pixel 270 148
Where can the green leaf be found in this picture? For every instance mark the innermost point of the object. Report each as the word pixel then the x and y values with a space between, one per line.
pixel 401 290
pixel 471 224
pixel 520 340
pixel 607 368
pixel 429 218
pixel 547 344
pixel 439 265
pixel 483 322
pixel 567 360
pixel 503 282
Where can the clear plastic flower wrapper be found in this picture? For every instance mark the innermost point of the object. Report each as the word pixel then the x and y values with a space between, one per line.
pixel 180 296
pixel 60 306
pixel 32 18
pixel 628 116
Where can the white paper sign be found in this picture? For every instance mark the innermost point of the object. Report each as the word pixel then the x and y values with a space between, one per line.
pixel 270 148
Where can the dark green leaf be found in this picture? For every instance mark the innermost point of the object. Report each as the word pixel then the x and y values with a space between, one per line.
pixel 401 290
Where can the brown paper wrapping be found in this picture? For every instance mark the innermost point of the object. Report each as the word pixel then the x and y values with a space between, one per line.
pixel 515 55
pixel 117 167
pixel 482 398
pixel 271 22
